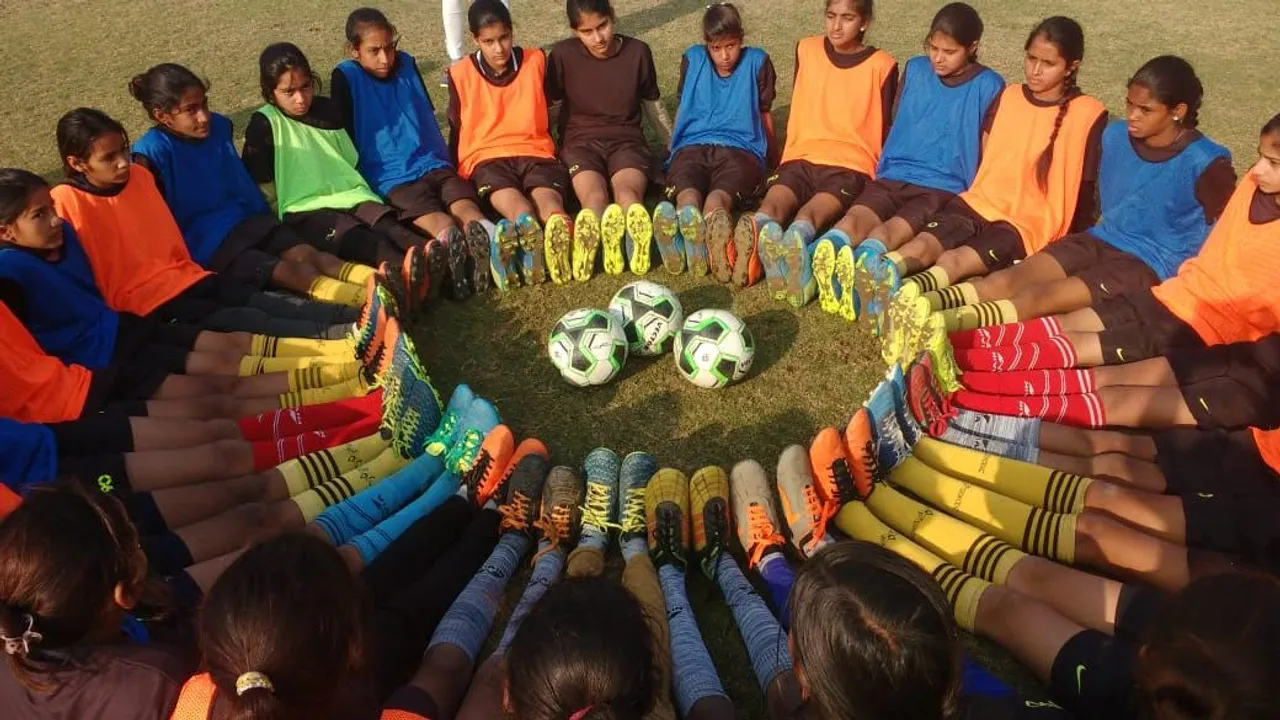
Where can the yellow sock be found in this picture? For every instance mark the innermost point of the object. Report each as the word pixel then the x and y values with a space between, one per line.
pixel 935 278
pixel 342 391
pixel 320 376
pixel 955 541
pixel 255 365
pixel 313 502
pixel 326 289
pixel 1054 490
pixel 898 261
pixel 972 317
pixel 312 469
pixel 963 590
pixel 955 296
pixel 268 346
pixel 355 273
pixel 1034 530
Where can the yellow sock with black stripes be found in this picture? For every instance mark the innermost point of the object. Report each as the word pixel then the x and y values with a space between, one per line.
pixel 955 541
pixel 1054 490
pixel 268 346
pixel 307 471
pixel 935 278
pixel 898 261
pixel 953 297
pixel 313 502
pixel 318 396
pixel 326 289
pixel 984 314
pixel 1034 530
pixel 255 365
pixel 355 273
pixel 319 376
pixel 963 590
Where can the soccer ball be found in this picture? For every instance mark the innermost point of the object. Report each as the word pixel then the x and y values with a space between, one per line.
pixel 587 346
pixel 650 315
pixel 714 348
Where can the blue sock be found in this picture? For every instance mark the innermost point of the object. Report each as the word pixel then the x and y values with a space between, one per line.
pixel 693 676
pixel 890 445
pixel 371 543
pixel 805 229
pixel 778 577
pixel 839 236
pixel 763 219
pixel 765 639
pixel 546 570
pixel 633 547
pixel 369 507
pixel 1004 435
pixel 469 619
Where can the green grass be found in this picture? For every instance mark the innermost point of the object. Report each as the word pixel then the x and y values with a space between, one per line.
pixel 811 369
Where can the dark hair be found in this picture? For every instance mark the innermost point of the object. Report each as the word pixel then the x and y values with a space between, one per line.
pixel 585 645
pixel 16 186
pixel 79 129
pixel 63 551
pixel 1272 126
pixel 484 13
pixel 289 609
pixel 865 8
pixel 162 87
pixel 278 59
pixel 1216 648
pixel 1173 81
pixel 874 636
pixel 960 22
pixel 1067 35
pixel 722 20
pixel 366 17
pixel 575 8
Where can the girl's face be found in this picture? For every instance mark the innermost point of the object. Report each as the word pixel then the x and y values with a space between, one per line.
pixel 376 52
pixel 1150 119
pixel 724 54
pixel 844 26
pixel 948 57
pixel 495 41
pixel 107 164
pixel 190 117
pixel 1046 69
pixel 294 92
pixel 1266 172
pixel 38 227
pixel 596 32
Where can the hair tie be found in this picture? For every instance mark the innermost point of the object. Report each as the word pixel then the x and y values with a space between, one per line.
pixel 21 645
pixel 253 680
pixel 582 713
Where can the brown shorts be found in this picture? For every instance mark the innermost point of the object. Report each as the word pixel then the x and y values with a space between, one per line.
pixel 712 167
pixel 1213 461
pixel 520 173
pixel 1231 387
pixel 250 252
pixel 805 179
pixel 957 225
pixel 1140 327
pixel 1239 525
pixel 915 204
pixel 608 157
pixel 432 193
pixel 1108 271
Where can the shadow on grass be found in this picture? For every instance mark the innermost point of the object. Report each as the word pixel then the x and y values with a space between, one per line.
pixel 775 331
pixel 658 14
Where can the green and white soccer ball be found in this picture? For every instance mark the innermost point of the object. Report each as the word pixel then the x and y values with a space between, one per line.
pixel 651 316
pixel 714 348
pixel 587 346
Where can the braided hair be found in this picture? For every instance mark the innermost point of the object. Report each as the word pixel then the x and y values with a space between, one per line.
pixel 1067 35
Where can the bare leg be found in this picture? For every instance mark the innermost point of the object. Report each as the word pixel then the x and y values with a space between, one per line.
pixel 1106 543
pixel 717 200
pixel 629 186
pixel 1066 440
pixel 548 201
pixel 858 224
pixel 1029 629
pixel 1030 273
pixel 1084 320
pixel 183 506
pixel 592 191
pixel 1156 372
pixel 1084 597
pixel 510 203
pixel 435 224
pixel 1146 407
pixel 204 574
pixel 894 233
pixel 920 252
pixel 821 210
pixel 160 469
pixel 1052 298
pixel 294 275
pixel 962 263
pixel 323 262
pixel 484 697
pixel 444 676
pixel 466 211
pixel 153 434
pixel 780 203
pixel 1162 516
pixel 238 527
pixel 1119 468
pixel 690 197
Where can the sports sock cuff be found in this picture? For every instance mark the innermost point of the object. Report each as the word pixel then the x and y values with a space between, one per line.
pixel 328 289
pixel 897 259
pixel 762 218
pixel 964 592
pixel 634 547
pixel 355 273
pixel 840 235
pixel 805 228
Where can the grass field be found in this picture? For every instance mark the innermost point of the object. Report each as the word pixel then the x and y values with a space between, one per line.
pixel 811 370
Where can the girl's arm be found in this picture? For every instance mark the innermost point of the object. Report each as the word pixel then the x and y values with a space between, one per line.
pixel 1087 205
pixel 258 153
pixel 454 114
pixel 767 87
pixel 888 95
pixel 340 92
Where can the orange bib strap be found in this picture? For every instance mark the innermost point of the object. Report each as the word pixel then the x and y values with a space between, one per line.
pixel 196 699
pixel 502 122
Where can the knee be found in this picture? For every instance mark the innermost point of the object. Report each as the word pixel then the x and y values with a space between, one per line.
pixel 220 429
pixel 1109 465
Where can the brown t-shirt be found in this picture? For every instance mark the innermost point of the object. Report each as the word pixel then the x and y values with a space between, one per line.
pixel 600 97
pixel 1263 208
pixel 123 682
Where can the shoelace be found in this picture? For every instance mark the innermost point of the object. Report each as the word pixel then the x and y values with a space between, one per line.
pixel 472 477
pixel 596 508
pixel 438 443
pixel 556 527
pixel 668 538
pixel 462 456
pixel 515 512
pixel 763 534
pixel 871 461
pixel 633 511
pixel 715 529
pixel 843 482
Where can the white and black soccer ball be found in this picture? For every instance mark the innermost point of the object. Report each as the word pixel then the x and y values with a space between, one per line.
pixel 587 346
pixel 651 316
pixel 714 348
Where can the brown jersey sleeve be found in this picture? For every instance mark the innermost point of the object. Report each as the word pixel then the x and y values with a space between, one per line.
pixel 1087 204
pixel 1214 188
pixel 767 84
pixel 888 94
pixel 259 151
pixel 648 85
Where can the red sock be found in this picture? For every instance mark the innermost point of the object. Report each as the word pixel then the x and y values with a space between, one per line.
pixel 1083 410
pixel 1030 382
pixel 268 454
pixel 1052 354
pixel 1019 333
pixel 271 426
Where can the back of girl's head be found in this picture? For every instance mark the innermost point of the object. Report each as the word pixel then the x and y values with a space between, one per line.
pixel 722 21
pixel 290 610
pixel 16 186
pixel 484 13
pixel 1173 82
pixel 873 636
pixel 1213 651
pixel 278 59
pixel 79 129
pixel 362 19
pixel 63 552
pixel 585 648
pixel 1272 127
pixel 959 21
pixel 161 88
pixel 575 9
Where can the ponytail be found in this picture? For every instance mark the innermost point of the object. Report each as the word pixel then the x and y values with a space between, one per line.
pixel 1067 35
pixel 1070 92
